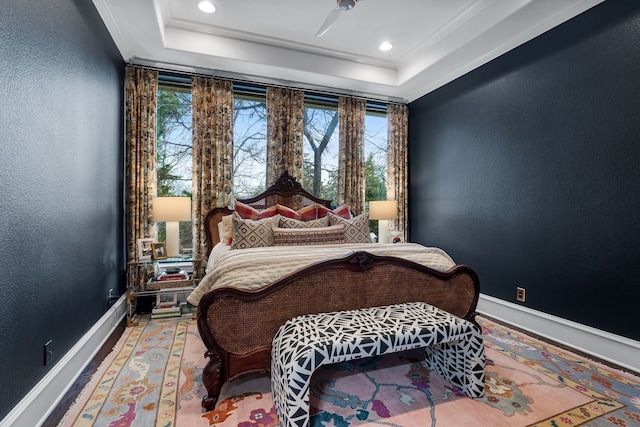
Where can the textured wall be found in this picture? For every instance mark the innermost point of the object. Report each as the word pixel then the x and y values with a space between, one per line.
pixel 61 182
pixel 528 169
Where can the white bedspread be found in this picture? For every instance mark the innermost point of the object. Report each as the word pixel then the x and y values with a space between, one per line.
pixel 252 269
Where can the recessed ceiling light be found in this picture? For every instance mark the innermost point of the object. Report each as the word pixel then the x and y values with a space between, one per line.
pixel 384 46
pixel 206 6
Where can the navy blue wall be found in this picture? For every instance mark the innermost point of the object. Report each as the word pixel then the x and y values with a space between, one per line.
pixel 61 183
pixel 528 170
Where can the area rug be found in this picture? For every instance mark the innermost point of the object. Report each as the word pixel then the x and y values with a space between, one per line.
pixel 153 378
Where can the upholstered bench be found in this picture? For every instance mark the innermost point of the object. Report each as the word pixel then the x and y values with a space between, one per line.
pixel 454 349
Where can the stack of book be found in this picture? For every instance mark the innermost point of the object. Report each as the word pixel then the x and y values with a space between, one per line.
pixel 169 275
pixel 166 306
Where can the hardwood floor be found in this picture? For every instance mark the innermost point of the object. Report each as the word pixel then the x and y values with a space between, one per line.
pixel 565 347
pixel 70 396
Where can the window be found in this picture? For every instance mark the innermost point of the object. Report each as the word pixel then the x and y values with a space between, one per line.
pixel 173 149
pixel 320 152
pixel 321 149
pixel 249 143
pixel 375 155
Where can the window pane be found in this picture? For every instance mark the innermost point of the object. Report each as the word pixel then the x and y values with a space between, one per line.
pixel 249 145
pixel 375 155
pixel 174 142
pixel 173 152
pixel 320 176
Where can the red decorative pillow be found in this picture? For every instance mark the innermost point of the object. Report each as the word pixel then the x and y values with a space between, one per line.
pixel 316 211
pixel 287 212
pixel 343 211
pixel 308 213
pixel 249 212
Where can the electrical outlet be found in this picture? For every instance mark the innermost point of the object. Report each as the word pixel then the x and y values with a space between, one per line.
pixel 48 352
pixel 520 294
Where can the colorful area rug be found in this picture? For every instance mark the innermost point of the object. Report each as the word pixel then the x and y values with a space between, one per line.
pixel 153 378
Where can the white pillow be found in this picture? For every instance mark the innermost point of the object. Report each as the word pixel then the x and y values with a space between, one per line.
pixel 221 232
pixel 227 229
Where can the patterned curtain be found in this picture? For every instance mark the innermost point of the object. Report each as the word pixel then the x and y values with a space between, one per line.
pixel 141 88
pixel 397 172
pixel 212 152
pixel 285 126
pixel 352 112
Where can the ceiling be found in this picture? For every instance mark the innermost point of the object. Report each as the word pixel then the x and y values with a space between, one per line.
pixel 435 41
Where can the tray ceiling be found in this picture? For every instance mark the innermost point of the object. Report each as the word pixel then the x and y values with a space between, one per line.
pixel 434 41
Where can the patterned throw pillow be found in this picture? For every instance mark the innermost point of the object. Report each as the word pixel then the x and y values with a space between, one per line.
pixel 308 213
pixel 308 236
pixel 356 230
pixel 343 211
pixel 287 212
pixel 316 211
pixel 249 212
pixel 253 234
pixel 294 223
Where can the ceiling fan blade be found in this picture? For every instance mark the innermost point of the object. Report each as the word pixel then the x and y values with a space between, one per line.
pixel 328 23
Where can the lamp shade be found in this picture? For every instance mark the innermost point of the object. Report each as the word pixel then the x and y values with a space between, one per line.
pixel 170 209
pixel 383 209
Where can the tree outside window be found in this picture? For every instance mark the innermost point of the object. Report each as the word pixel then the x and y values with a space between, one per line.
pixel 249 145
pixel 173 151
pixel 321 145
pixel 320 153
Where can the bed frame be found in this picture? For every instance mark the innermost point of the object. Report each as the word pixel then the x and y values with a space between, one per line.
pixel 237 327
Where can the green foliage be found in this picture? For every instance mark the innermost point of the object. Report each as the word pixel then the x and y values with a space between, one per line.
pixel 173 142
pixel 173 153
pixel 320 166
pixel 376 185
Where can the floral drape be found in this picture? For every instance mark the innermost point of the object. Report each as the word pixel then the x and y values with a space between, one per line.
pixel 212 152
pixel 285 126
pixel 397 163
pixel 351 184
pixel 141 88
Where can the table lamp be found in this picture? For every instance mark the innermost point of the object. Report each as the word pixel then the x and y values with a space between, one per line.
pixel 172 210
pixel 383 211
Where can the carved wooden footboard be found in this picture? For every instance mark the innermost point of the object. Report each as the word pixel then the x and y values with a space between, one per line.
pixel 238 327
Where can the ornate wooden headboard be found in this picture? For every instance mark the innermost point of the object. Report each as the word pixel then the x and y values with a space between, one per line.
pixel 286 191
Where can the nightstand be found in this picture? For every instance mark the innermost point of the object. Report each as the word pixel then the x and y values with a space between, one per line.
pixel 141 282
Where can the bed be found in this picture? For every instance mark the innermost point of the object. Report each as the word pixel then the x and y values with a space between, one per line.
pixel 247 293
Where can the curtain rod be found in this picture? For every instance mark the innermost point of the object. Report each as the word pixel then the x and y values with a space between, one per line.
pixel 233 77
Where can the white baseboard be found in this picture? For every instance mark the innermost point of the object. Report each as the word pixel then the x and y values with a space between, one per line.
pixel 604 345
pixel 36 406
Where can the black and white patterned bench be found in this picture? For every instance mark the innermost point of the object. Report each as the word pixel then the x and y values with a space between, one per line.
pixel 454 349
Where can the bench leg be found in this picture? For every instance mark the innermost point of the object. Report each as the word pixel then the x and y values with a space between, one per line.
pixel 461 362
pixel 291 397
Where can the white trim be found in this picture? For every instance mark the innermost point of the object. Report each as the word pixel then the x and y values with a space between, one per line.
pixel 36 406
pixel 613 348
